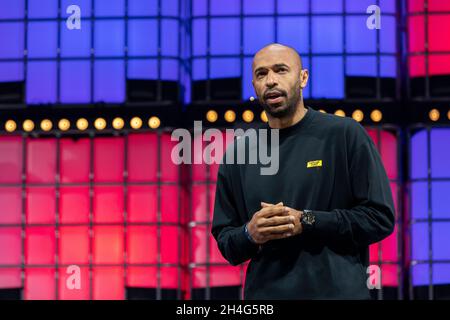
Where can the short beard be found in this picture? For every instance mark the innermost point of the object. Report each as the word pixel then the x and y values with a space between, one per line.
pixel 290 110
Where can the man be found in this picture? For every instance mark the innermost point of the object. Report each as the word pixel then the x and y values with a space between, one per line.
pixel 307 228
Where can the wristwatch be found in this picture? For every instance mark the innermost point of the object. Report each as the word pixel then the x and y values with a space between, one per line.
pixel 307 220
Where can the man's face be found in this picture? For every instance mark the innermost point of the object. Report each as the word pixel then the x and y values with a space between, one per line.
pixel 277 80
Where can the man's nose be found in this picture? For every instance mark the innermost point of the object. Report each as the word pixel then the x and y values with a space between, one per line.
pixel 271 80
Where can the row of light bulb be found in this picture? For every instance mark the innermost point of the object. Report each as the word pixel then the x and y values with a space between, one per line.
pixel 82 124
pixel 211 116
pixel 248 115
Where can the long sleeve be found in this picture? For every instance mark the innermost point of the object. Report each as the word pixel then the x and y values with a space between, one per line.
pixel 228 225
pixel 372 217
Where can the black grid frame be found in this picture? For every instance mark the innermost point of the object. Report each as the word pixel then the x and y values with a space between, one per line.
pixel 183 28
pixel 430 291
pixel 379 97
pixel 91 184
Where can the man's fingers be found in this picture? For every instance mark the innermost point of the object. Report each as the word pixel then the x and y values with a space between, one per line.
pixel 275 221
pixel 265 204
pixel 276 236
pixel 273 211
pixel 285 228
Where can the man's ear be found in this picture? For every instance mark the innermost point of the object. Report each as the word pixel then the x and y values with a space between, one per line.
pixel 304 76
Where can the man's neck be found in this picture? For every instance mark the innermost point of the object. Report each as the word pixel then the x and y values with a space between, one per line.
pixel 297 116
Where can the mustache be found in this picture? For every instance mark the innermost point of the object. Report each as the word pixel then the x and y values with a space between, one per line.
pixel 269 92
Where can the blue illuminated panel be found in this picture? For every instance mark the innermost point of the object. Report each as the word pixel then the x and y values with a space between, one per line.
pixel 75 82
pixel 76 43
pixel 42 39
pixel 319 38
pixel 110 8
pixel 109 38
pixel 142 29
pixel 286 7
pixel 42 8
pixel 259 7
pixel 223 40
pixel 12 9
pixel 41 82
pixel 109 81
pixel 11 71
pixel 326 6
pixel 85 6
pixel 294 32
pixel 421 204
pixel 263 27
pixel 10 33
pixel 327 77
pixel 225 36
pixel 143 69
pixel 142 8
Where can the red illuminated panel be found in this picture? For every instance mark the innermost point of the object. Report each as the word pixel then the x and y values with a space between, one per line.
pixel 198 167
pixel 147 277
pixel 141 244
pixel 387 144
pixel 219 276
pixel 75 160
pixel 11 159
pixel 389 275
pixel 170 277
pixel 108 159
pixel 74 245
pixel 169 170
pixel 141 277
pixel 438 30
pixel 169 203
pixel 214 253
pixel 438 5
pixel 169 244
pixel 40 245
pixel 439 64
pixel 108 245
pixel 142 203
pixel 202 210
pixel 394 190
pixel 417 66
pixel 41 160
pixel 40 205
pixel 200 237
pixel 10 246
pixel 227 140
pixel 212 195
pixel 416 34
pixel 67 284
pixel 416 5
pixel 10 278
pixel 40 284
pixel 74 205
pixel 199 205
pixel 108 204
pixel 11 201
pixel 389 246
pixel 108 283
pixel 142 157
pixel 213 170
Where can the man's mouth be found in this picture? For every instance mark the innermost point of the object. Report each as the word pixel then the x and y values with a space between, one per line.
pixel 274 97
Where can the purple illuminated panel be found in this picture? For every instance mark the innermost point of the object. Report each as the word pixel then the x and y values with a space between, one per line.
pixel 438 206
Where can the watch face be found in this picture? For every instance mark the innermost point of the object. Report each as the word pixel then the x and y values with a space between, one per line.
pixel 308 218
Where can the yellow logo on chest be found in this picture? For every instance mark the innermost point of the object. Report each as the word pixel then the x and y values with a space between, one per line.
pixel 313 164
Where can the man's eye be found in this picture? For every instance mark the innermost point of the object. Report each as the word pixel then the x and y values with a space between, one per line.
pixel 282 70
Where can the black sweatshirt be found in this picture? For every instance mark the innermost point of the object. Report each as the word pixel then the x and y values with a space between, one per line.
pixel 349 195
